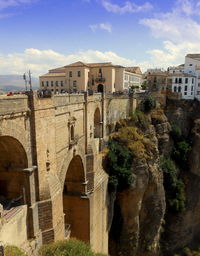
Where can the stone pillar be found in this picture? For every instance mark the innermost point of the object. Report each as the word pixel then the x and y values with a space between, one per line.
pixel 30 200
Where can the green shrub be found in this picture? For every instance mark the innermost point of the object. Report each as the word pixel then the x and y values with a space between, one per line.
pixel 181 149
pixel 119 160
pixel 174 187
pixel 149 103
pixel 67 248
pixel 176 133
pixel 13 251
pixel 181 152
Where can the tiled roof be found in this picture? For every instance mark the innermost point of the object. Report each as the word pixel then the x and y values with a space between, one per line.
pixel 77 64
pixel 54 75
pixel 92 65
pixel 193 56
pixel 57 70
pixel 135 70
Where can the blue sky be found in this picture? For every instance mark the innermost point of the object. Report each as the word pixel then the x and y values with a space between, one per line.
pixel 41 34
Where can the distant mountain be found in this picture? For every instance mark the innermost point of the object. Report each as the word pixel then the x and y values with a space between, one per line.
pixel 15 83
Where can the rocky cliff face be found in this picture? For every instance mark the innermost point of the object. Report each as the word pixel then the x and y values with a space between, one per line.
pixel 141 225
pixel 139 210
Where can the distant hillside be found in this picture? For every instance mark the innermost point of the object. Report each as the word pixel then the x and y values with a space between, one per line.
pixel 15 83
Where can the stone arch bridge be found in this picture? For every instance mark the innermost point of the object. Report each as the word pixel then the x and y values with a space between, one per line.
pixel 52 184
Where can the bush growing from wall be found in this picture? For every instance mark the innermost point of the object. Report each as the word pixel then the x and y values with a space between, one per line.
pixel 149 104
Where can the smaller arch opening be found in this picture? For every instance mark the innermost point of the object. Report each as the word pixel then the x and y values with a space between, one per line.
pixel 97 124
pixel 100 88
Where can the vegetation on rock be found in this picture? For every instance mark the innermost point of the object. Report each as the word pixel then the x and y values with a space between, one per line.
pixel 182 147
pixel 68 248
pixel 189 252
pixel 174 186
pixel 126 145
pixel 13 251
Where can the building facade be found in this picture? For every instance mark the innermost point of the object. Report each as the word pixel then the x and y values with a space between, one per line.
pixel 98 77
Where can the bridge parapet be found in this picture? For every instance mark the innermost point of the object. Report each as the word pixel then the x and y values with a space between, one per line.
pixel 66 99
pixel 13 104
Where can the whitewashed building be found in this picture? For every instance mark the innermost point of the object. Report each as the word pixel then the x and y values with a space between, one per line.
pixel 183 84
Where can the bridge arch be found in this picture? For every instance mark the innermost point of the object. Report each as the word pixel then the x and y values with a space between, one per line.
pixel 15 130
pixel 75 201
pixel 13 160
pixel 97 124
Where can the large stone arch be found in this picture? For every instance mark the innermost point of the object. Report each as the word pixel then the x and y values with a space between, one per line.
pixel 14 129
pixel 13 160
pixel 75 202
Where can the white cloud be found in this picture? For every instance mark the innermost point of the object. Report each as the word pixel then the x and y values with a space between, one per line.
pixel 181 31
pixel 102 26
pixel 178 25
pixel 40 61
pixel 129 7
pixel 9 3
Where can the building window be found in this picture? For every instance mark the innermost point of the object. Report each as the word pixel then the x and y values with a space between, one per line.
pixel 180 80
pixel 198 84
pixel 74 85
pixel 186 87
pixel 100 71
pixel 179 89
pixel 192 80
pixel 176 80
pixel 42 84
pixel 190 65
pixel 186 80
pixel 192 88
pixel 56 83
pixel 174 88
pixel 198 92
pixel 51 83
pixel 52 90
pixel 79 73
pixel 47 84
pixel 61 83
pixel 185 93
pixel 70 73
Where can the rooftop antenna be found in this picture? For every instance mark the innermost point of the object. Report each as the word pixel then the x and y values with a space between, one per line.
pixel 30 82
pixel 25 79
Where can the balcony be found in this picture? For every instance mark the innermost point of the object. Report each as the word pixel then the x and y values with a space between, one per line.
pixel 100 80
